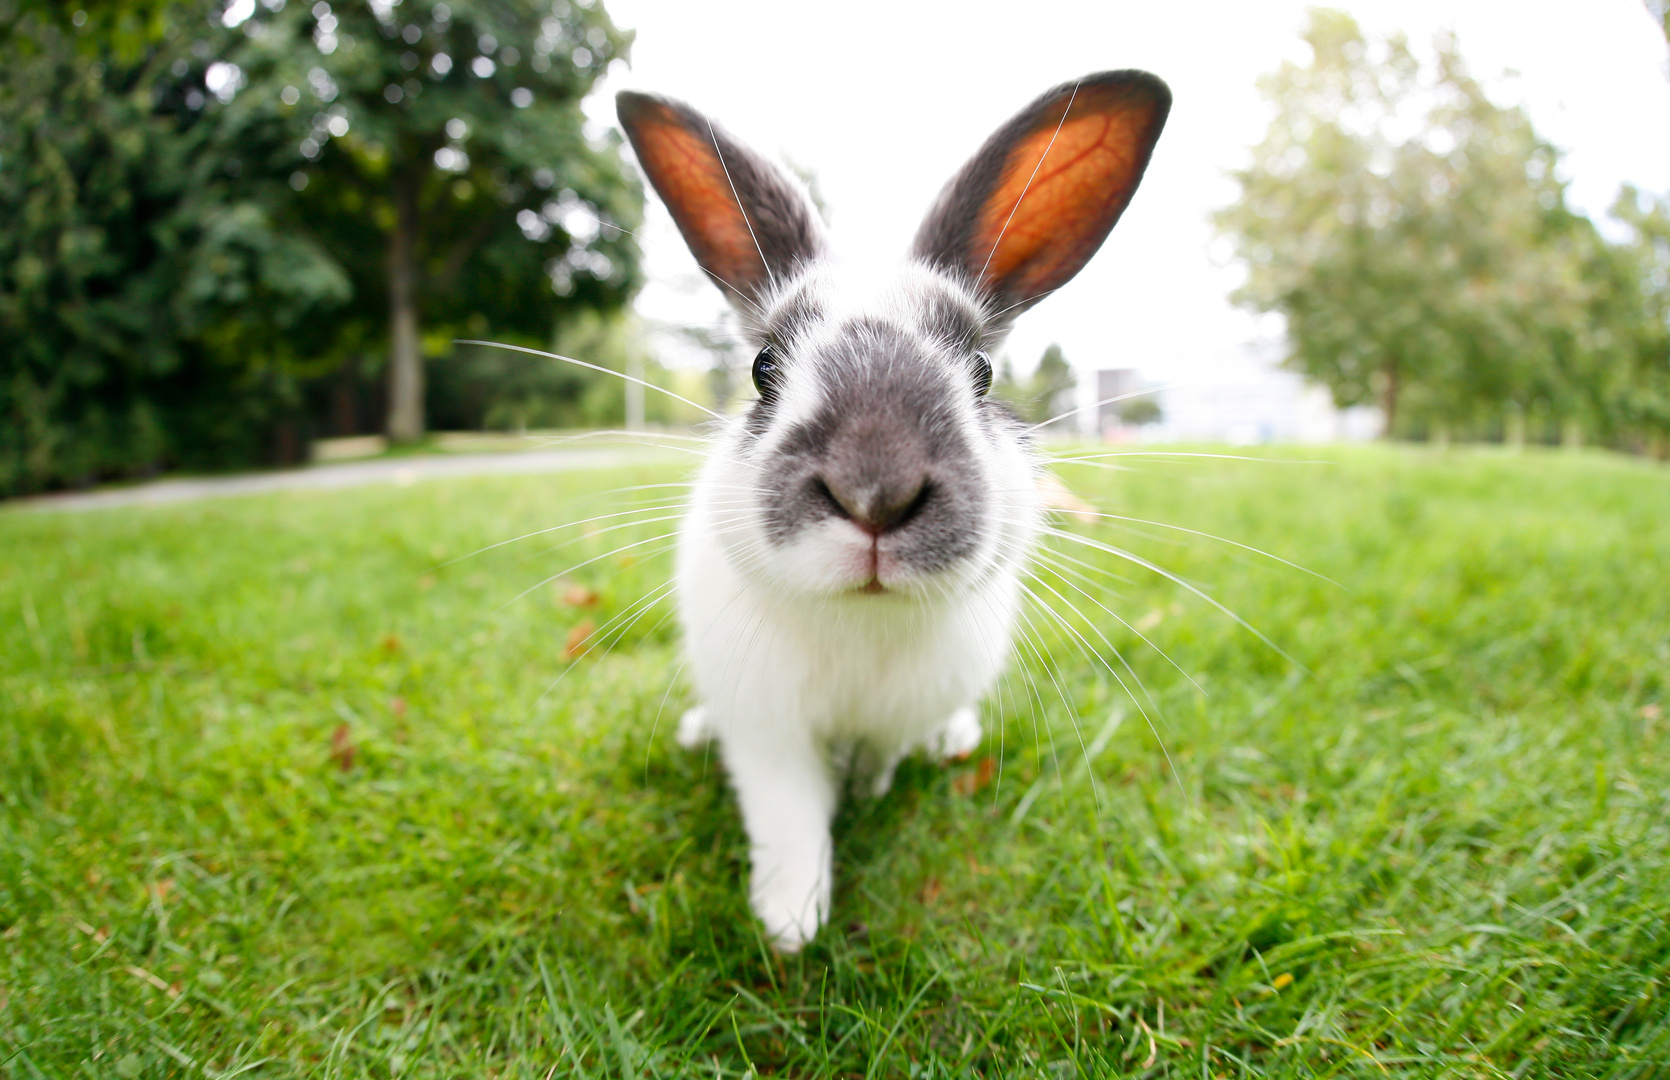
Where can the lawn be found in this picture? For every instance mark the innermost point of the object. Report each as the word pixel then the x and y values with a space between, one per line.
pixel 286 791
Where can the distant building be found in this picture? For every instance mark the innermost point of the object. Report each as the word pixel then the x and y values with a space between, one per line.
pixel 1111 385
pixel 1242 397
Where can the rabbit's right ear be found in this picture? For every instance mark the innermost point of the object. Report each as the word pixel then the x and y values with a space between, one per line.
pixel 745 222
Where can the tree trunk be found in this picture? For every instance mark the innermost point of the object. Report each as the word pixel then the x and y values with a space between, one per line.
pixel 405 416
pixel 345 403
pixel 1513 426
pixel 1388 399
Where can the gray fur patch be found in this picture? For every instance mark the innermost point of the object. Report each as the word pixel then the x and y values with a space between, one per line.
pixel 886 440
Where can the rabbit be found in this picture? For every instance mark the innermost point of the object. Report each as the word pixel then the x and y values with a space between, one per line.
pixel 848 571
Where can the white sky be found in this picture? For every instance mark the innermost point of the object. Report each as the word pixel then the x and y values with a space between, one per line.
pixel 884 101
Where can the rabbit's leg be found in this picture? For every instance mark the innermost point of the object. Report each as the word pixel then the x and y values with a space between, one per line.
pixel 872 770
pixel 693 729
pixel 788 799
pixel 960 735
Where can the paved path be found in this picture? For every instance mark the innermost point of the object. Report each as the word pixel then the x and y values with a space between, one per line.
pixel 400 471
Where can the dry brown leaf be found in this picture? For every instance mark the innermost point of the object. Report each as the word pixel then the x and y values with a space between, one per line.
pixel 977 778
pixel 1054 495
pixel 342 747
pixel 577 638
pixel 579 596
pixel 931 890
pixel 1153 1046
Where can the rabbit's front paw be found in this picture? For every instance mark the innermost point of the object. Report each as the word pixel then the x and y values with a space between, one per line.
pixel 792 901
pixel 692 728
pixel 960 735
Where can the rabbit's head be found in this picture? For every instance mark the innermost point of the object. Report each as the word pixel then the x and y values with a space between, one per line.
pixel 873 462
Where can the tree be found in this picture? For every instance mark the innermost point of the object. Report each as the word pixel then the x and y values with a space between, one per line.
pixel 1639 326
pixel 1140 411
pixel 1413 233
pixel 440 154
pixel 1051 390
pixel 150 307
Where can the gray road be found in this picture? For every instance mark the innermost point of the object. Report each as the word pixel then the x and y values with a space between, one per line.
pixel 400 471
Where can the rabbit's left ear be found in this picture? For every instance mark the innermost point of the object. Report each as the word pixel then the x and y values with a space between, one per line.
pixel 1033 205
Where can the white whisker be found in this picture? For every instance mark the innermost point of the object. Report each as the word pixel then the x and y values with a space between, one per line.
pixel 1174 579
pixel 589 367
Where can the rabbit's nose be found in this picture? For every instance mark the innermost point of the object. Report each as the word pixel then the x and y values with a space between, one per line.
pixel 876 508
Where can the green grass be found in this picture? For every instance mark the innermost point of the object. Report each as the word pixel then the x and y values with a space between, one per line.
pixel 1440 847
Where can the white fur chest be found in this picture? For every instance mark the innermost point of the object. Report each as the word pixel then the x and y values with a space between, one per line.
pixel 883 670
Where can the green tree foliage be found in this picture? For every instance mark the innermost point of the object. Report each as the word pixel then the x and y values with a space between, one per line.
pixel 439 153
pixel 1052 387
pixel 213 212
pixel 122 27
pixel 498 389
pixel 148 303
pixel 1046 393
pixel 1417 240
pixel 1140 411
pixel 1638 393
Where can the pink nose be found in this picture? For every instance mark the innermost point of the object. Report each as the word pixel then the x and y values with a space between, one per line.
pixel 878 508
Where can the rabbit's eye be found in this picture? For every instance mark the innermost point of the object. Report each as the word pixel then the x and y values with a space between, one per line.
pixel 766 372
pixel 982 373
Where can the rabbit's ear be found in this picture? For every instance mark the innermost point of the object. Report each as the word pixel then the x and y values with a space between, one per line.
pixel 745 222
pixel 1030 209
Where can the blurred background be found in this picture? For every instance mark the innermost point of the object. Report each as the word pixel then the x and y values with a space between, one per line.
pixel 252 233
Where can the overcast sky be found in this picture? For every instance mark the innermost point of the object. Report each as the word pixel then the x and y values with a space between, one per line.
pixel 884 101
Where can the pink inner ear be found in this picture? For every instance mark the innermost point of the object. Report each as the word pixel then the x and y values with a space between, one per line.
pixel 1060 193
pixel 687 173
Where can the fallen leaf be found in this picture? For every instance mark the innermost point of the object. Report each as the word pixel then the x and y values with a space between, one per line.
pixel 977 778
pixel 1054 495
pixel 342 747
pixel 577 638
pixel 579 596
pixel 931 890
